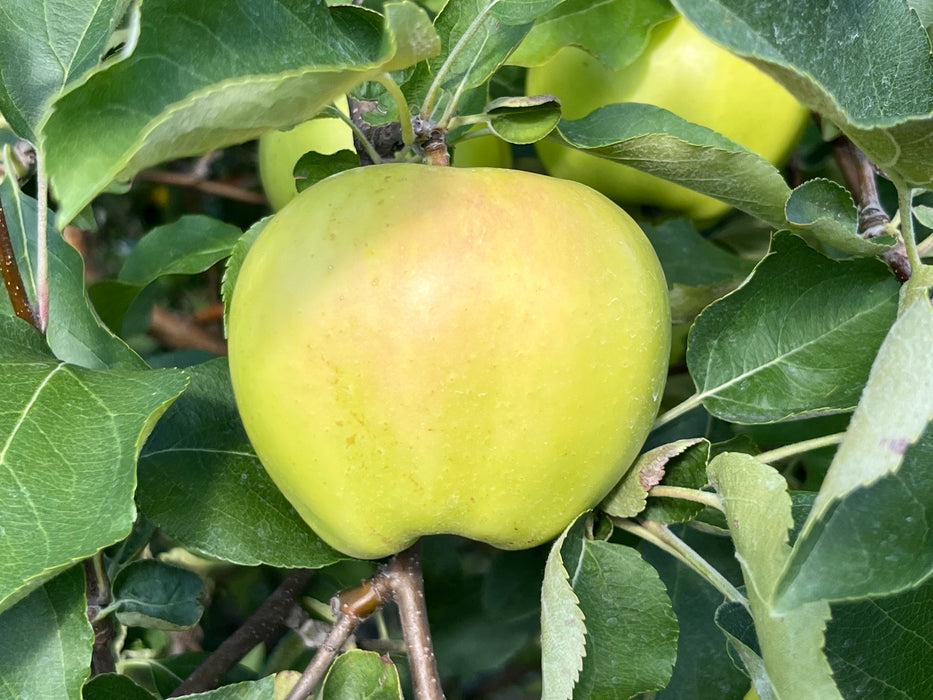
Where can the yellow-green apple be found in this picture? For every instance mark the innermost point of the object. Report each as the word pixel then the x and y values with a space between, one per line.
pixel 419 349
pixel 686 73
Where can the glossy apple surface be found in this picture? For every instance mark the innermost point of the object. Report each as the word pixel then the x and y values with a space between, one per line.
pixel 686 73
pixel 280 150
pixel 419 349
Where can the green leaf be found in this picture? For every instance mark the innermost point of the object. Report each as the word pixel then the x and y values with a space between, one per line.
pixel 479 621
pixel 698 272
pixel 75 333
pixel 44 45
pixel 563 632
pixel 361 674
pixel 630 496
pixel 883 648
pixel 45 647
pixel 631 631
pixel 313 167
pixel 185 247
pixel 924 215
pixel 868 532
pixel 153 594
pixel 687 470
pixel 867 67
pixel 616 32
pixel 797 339
pixel 703 670
pixel 114 686
pixel 476 38
pixel 201 482
pixel 758 510
pixel 69 438
pixel 735 621
pixel 823 211
pixel 523 119
pixel 249 690
pixel 207 75
pixel 661 143
pixel 235 262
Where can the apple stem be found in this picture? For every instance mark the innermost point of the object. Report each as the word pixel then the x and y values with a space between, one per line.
pixel 434 148
pixel 407 584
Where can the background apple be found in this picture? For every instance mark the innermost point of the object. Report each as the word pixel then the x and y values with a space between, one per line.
pixel 488 151
pixel 486 364
pixel 682 71
pixel 280 150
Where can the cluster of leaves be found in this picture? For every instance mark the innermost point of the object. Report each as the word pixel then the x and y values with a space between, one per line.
pixel 132 494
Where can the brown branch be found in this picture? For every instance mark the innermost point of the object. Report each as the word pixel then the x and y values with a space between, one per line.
pixel 266 620
pixel 401 581
pixel 386 139
pixel 177 331
pixel 221 189
pixel 859 173
pixel 407 584
pixel 11 277
pixel 340 631
pixel 98 597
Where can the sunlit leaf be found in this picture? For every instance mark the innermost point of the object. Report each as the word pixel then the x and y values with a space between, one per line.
pixel 869 529
pixel 615 31
pixel 208 75
pixel 69 438
pixel 867 67
pixel 661 143
pixel 44 45
pixel 758 510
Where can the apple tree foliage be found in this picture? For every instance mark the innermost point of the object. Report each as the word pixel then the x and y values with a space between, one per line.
pixel 778 528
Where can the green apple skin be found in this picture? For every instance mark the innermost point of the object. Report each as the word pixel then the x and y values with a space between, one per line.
pixel 686 73
pixel 420 349
pixel 279 151
pixel 488 151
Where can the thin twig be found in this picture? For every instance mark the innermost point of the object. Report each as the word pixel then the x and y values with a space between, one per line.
pixel 661 536
pixel 340 631
pixel 859 173
pixel 267 619
pixel 703 497
pixel 797 448
pixel 407 584
pixel 220 189
pixel 98 597
pixel 400 580
pixel 11 277
pixel 176 331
